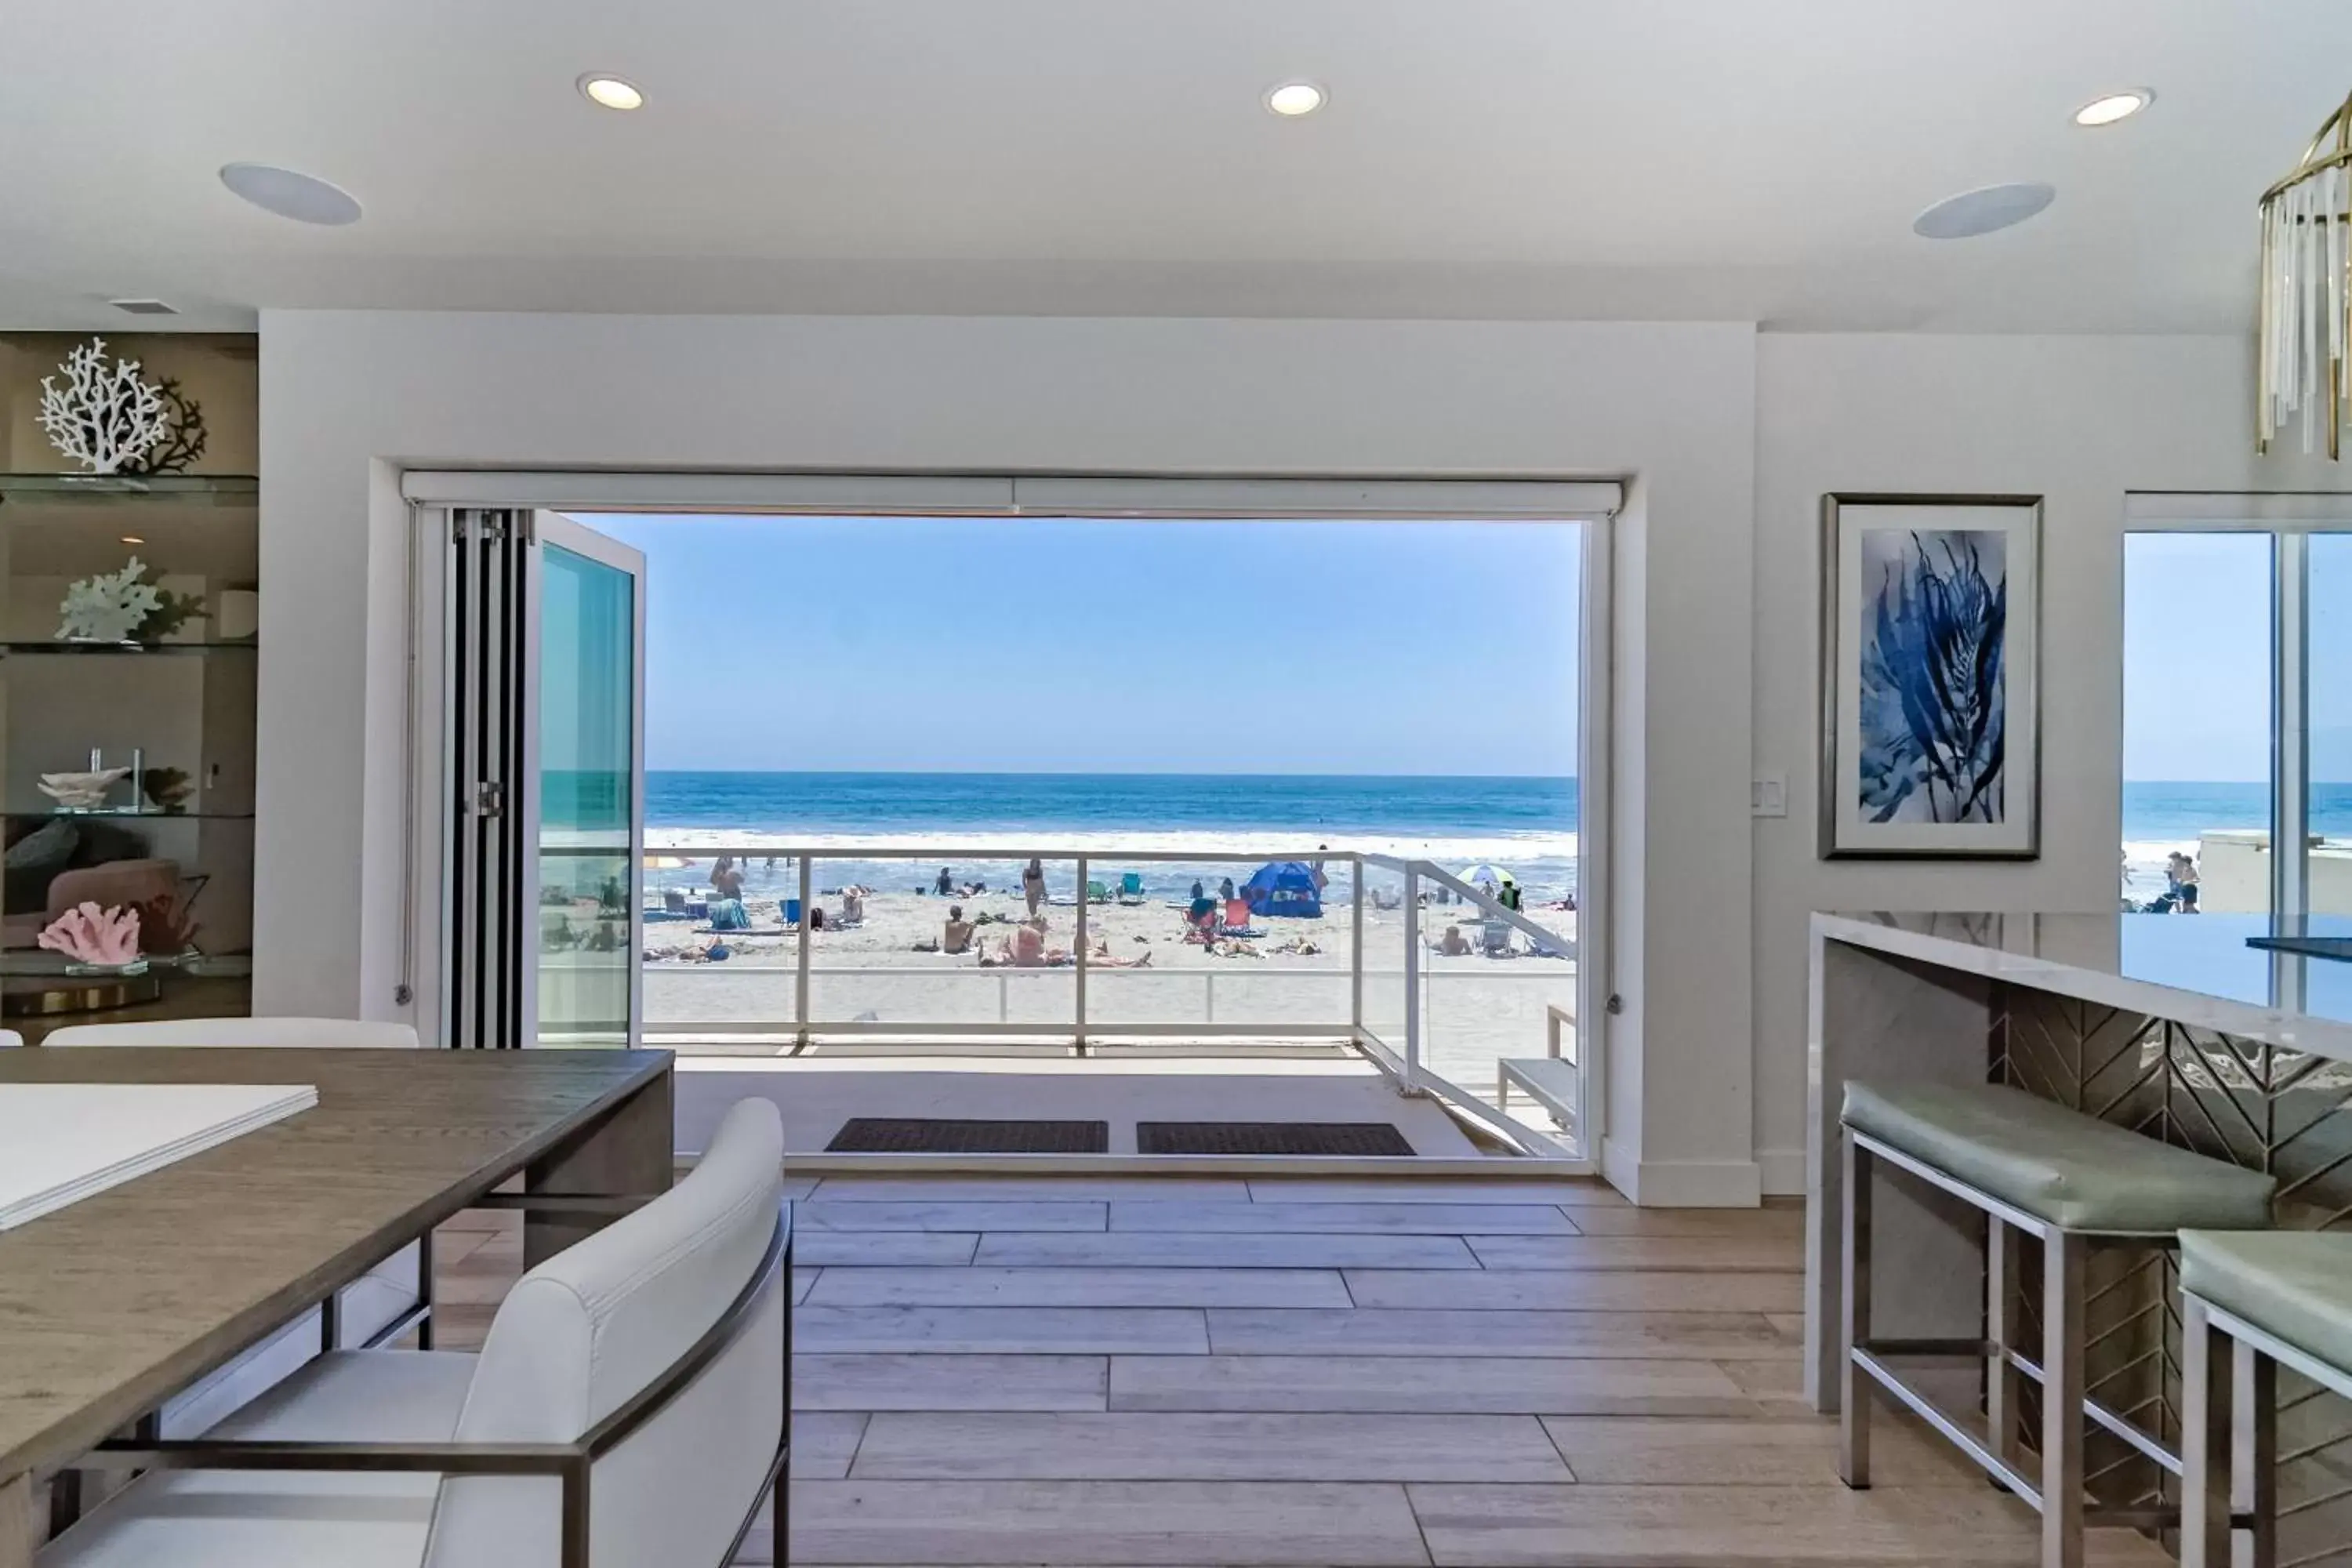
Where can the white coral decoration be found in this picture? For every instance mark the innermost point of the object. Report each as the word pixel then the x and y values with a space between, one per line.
pixel 102 416
pixel 109 607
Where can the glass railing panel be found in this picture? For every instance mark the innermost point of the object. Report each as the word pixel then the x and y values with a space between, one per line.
pixel 721 947
pixel 1387 939
pixel 1499 989
pixel 1231 946
pixel 997 948
pixel 1483 1011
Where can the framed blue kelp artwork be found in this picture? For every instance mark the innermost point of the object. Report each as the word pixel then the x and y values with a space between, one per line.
pixel 1931 636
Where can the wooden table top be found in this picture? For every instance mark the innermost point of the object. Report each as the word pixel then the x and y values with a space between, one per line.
pixel 112 1304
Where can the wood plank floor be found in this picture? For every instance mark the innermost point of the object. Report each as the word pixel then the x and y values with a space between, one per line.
pixel 1196 1374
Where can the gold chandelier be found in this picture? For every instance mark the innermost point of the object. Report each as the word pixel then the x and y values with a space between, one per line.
pixel 2305 372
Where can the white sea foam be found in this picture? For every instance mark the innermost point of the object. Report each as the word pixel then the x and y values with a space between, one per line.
pixel 1237 845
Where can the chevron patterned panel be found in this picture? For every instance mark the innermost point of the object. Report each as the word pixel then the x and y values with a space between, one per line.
pixel 2255 1105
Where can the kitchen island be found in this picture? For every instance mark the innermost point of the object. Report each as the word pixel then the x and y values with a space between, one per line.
pixel 2171 1024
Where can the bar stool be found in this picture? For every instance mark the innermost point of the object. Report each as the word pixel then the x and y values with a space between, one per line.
pixel 2066 1179
pixel 2249 1305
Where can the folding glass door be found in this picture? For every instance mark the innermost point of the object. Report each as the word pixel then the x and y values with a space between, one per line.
pixel 544 652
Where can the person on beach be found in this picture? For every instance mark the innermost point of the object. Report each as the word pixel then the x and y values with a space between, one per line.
pixel 1027 949
pixel 1033 883
pixel 2179 895
pixel 1225 890
pixel 956 935
pixel 726 904
pixel 1315 869
pixel 1455 945
pixel 853 905
pixel 1202 916
pixel 1196 886
pixel 945 885
pixel 1099 955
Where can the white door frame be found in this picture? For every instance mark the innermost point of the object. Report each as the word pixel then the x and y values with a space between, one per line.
pixel 433 494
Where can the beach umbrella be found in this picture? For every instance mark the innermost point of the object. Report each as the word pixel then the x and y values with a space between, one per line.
pixel 1485 876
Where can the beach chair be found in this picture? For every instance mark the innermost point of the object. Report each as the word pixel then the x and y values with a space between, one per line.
pixel 1495 938
pixel 791 911
pixel 1096 893
pixel 1237 917
pixel 1130 887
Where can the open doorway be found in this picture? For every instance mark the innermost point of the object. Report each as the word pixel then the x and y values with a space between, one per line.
pixel 1154 795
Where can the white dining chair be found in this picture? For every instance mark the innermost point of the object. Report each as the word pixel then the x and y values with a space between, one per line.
pixel 642 1375
pixel 249 1033
pixel 387 1301
pixel 10 1038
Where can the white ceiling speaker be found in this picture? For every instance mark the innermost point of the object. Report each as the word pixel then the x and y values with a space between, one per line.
pixel 305 198
pixel 1986 211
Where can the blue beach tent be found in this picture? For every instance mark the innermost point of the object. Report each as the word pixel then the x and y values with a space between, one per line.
pixel 1285 888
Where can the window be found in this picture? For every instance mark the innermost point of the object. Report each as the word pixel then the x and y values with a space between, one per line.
pixel 2238 706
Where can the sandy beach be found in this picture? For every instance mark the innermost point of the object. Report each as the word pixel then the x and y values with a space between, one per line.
pixel 1297 972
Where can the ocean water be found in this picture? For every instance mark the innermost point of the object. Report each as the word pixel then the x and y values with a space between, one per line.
pixel 2161 817
pixel 1527 824
pixel 2176 813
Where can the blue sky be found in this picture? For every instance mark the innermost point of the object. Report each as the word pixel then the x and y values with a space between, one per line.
pixel 2196 660
pixel 1063 646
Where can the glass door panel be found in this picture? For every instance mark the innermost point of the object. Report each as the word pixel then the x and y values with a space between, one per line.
pixel 2327 698
pixel 587 826
pixel 2198 705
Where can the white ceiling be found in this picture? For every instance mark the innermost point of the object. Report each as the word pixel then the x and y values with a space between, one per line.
pixel 1715 159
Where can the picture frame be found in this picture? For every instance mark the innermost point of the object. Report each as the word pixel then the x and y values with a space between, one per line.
pixel 1931 645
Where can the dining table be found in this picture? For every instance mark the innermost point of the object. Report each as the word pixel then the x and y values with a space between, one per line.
pixel 113 1303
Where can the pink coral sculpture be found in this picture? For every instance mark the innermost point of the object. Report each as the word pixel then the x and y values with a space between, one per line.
pixel 95 936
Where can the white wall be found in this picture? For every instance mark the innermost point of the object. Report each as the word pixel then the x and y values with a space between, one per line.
pixel 1732 439
pixel 2077 420
pixel 348 398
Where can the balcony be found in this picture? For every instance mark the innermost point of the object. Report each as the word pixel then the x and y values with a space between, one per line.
pixel 1369 964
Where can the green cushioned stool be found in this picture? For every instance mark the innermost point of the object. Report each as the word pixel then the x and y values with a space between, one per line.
pixel 2036 1169
pixel 2251 1303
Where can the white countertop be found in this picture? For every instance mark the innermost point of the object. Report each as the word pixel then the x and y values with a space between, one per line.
pixel 2191 969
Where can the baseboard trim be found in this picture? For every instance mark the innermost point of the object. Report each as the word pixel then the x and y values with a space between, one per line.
pixel 1783 1172
pixel 1621 1168
pixel 1691 1183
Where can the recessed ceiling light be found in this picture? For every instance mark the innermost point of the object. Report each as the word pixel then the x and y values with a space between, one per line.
pixel 611 91
pixel 1292 99
pixel 1972 213
pixel 132 539
pixel 144 307
pixel 302 198
pixel 2108 108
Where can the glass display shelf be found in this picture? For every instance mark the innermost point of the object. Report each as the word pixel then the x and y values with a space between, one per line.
pixel 80 649
pixel 181 490
pixel 40 960
pixel 114 813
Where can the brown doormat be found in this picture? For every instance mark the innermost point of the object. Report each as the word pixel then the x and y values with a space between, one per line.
pixel 1269 1138
pixel 917 1135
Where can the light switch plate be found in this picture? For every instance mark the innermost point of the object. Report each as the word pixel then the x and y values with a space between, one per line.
pixel 1767 796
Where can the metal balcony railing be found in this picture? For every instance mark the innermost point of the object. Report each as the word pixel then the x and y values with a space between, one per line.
pixel 1435 1022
